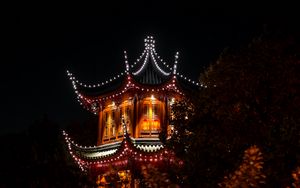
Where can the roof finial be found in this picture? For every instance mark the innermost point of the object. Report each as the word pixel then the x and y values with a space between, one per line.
pixel 149 43
pixel 126 62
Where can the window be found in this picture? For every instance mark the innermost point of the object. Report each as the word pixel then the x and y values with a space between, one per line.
pixel 145 109
pixel 150 124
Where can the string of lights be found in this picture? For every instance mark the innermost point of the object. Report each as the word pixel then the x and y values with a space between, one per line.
pixel 72 77
pixel 117 157
pixel 149 49
pixel 92 103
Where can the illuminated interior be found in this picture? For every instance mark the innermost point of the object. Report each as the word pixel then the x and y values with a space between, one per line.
pixel 112 119
pixel 150 124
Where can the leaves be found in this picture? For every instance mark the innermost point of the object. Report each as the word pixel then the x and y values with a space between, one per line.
pixel 296 178
pixel 153 178
pixel 249 173
pixel 251 97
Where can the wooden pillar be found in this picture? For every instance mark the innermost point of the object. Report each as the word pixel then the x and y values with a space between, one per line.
pixel 161 114
pixel 100 126
pixel 134 124
pixel 166 113
pixel 117 121
pixel 136 118
pixel 131 126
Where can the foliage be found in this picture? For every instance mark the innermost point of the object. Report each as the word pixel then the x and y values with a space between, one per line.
pixel 153 178
pixel 249 173
pixel 249 96
pixel 182 110
pixel 296 178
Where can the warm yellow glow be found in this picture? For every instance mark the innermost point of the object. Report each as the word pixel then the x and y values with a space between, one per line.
pixel 101 180
pixel 151 121
pixel 124 175
pixel 172 101
pixel 150 124
pixel 152 97
pixel 146 125
pixel 111 106
pixel 155 125
pixel 150 113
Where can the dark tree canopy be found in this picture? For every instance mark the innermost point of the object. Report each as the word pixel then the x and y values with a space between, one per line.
pixel 250 96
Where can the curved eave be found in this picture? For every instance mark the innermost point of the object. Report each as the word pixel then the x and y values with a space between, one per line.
pixel 104 155
pixel 96 153
pixel 92 103
pixel 107 87
pixel 145 146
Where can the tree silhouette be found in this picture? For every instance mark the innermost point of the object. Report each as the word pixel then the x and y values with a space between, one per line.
pixel 249 173
pixel 251 95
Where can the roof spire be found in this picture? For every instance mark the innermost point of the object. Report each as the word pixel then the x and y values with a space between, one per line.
pixel 175 64
pixel 150 57
pixel 149 43
pixel 126 62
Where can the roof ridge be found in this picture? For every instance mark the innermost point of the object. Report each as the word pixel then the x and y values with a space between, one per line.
pixel 150 52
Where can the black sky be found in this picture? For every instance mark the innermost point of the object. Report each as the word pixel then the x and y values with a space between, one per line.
pixel 47 42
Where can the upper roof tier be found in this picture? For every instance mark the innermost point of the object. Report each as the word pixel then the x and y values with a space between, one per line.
pixel 148 72
pixel 149 68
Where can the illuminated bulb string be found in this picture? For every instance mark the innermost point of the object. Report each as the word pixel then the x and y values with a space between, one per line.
pixel 94 85
pixel 130 86
pixel 167 65
pixel 138 59
pixel 102 83
pixel 81 163
pixel 126 152
pixel 142 67
pixel 88 102
pixel 126 63
pixel 149 47
pixel 189 80
pixel 157 66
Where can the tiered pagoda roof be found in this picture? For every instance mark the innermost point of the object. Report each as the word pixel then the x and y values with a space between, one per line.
pixel 149 73
pixel 100 158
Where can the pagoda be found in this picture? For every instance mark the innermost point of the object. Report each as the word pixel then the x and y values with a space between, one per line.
pixel 133 107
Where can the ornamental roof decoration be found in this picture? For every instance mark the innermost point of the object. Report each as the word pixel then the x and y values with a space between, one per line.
pixel 118 153
pixel 149 73
pixel 150 69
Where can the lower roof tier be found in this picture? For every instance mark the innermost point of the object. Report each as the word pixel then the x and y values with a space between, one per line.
pixel 118 153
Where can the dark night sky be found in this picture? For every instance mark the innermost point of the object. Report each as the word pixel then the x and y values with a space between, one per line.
pixel 48 42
